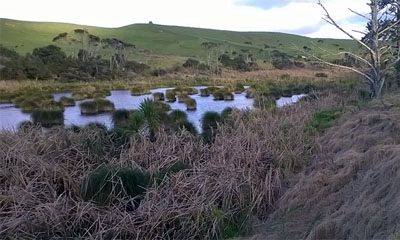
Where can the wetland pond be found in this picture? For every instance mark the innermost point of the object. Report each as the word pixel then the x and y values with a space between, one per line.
pixel 11 116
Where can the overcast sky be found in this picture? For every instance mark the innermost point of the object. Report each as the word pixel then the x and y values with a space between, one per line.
pixel 301 17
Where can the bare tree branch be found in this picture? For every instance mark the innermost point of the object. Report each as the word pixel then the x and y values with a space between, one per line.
pixel 359 14
pixel 330 20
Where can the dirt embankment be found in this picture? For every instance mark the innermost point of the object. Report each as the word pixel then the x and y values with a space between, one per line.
pixel 351 190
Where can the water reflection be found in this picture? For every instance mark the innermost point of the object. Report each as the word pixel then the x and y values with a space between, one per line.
pixel 11 117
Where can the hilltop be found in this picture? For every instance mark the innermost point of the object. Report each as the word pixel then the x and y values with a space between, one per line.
pixel 173 42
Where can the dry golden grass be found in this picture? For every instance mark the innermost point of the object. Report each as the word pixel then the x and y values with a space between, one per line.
pixel 351 189
pixel 241 174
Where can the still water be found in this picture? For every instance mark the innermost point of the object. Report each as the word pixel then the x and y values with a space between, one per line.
pixel 11 117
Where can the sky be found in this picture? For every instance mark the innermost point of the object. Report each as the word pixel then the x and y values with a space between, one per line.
pixel 302 17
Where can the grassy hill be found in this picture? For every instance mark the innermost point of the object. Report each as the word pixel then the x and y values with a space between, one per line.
pixel 167 41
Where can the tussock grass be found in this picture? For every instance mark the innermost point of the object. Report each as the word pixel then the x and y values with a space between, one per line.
pixel 48 118
pixel 230 182
pixel 96 106
pixel 158 96
pixel 170 96
pixel 137 91
pixel 185 91
pixel 67 102
pixel 191 104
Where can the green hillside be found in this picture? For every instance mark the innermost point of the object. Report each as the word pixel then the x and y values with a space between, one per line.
pixel 170 41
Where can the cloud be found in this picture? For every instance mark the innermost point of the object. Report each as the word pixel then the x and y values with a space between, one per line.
pixel 294 16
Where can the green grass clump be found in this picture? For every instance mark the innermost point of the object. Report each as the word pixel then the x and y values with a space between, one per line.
pixel 136 120
pixel 209 123
pixel 223 94
pixel 264 102
pixel 6 97
pixel 191 104
pixel 100 93
pixel 185 91
pixel 219 95
pixel 182 98
pixel 170 96
pixel 239 88
pixel 251 92
pixel 205 92
pixel 52 105
pixel 186 125
pixel 226 113
pixel 25 126
pixel 158 96
pixel 89 108
pixel 104 105
pixel 67 102
pixel 138 91
pixel 121 118
pixel 171 170
pixel 47 118
pixel 107 183
pixel 325 119
pixel 28 106
pixel 78 96
pixel 162 107
pixel 96 106
pixel 178 115
pixel 232 224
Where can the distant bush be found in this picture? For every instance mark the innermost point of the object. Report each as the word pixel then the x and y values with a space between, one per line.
pixel 321 75
pixel 158 72
pixel 191 63
pixel 281 60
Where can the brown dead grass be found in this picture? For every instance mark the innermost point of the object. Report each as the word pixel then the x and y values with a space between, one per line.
pixel 352 188
pixel 41 173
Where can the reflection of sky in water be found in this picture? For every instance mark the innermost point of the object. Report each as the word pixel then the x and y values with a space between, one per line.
pixel 11 117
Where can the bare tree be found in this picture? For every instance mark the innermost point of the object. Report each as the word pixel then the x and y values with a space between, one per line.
pixel 120 52
pixel 213 53
pixel 376 48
